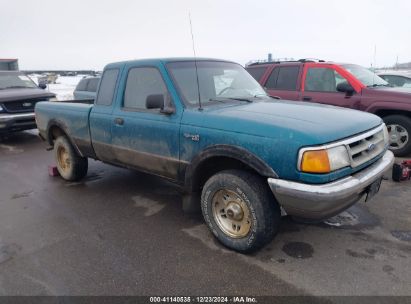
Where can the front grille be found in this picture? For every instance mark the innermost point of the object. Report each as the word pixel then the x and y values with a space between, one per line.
pixel 19 106
pixel 365 147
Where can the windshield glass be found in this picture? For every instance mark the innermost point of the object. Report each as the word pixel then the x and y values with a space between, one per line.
pixel 367 77
pixel 218 81
pixel 15 80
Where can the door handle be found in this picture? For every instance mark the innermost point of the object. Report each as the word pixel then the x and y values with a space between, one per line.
pixel 307 98
pixel 119 121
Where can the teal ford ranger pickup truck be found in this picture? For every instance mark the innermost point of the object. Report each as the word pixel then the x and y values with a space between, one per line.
pixel 206 124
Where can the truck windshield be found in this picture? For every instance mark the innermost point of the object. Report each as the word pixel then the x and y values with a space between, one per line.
pixel 218 82
pixel 367 77
pixel 10 80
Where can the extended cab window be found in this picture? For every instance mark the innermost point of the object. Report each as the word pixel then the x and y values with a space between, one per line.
pixel 283 78
pixel 142 82
pixel 107 87
pixel 257 73
pixel 322 80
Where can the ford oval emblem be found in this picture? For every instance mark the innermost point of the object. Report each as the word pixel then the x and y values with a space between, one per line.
pixel 371 147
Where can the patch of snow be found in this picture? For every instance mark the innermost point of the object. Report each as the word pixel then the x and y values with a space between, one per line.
pixel 64 86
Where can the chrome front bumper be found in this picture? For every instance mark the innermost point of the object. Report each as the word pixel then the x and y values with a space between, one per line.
pixel 17 122
pixel 326 200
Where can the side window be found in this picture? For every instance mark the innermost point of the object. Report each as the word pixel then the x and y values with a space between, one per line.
pixel 284 78
pixel 107 87
pixel 82 85
pixel 272 80
pixel 287 78
pixel 92 85
pixel 142 82
pixel 257 73
pixel 322 80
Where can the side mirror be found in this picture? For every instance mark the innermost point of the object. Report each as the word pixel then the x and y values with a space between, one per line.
pixel 346 88
pixel 156 101
pixel 42 85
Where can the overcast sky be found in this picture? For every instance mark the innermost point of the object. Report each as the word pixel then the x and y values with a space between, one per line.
pixel 87 34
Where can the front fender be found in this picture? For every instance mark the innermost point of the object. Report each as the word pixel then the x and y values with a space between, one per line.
pixel 393 106
pixel 229 151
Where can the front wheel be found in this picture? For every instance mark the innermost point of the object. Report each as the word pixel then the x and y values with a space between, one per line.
pixel 399 130
pixel 70 165
pixel 240 210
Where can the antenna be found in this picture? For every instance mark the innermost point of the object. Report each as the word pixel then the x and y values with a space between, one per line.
pixel 195 62
pixel 375 63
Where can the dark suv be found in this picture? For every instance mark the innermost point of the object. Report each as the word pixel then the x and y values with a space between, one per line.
pixel 18 96
pixel 344 85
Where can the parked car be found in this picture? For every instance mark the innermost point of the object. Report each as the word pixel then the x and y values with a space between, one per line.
pixel 397 79
pixel 18 96
pixel 87 88
pixel 344 85
pixel 248 156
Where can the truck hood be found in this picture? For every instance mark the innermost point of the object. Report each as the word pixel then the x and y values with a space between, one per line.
pixel 305 123
pixel 22 94
pixel 388 94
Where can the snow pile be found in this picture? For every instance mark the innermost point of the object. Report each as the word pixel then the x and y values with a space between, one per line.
pixel 63 87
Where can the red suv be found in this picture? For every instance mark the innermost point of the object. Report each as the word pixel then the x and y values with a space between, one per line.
pixel 344 85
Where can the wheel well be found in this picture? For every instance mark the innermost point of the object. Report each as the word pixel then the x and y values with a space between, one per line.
pixel 383 113
pixel 215 164
pixel 54 132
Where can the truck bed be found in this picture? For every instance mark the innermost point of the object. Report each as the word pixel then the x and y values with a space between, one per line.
pixel 72 116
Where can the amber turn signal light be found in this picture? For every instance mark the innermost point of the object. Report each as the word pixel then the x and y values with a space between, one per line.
pixel 315 162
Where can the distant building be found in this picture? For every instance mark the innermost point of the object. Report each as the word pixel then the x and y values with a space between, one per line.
pixel 9 64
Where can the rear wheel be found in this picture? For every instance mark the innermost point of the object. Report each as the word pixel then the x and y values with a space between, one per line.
pixel 70 164
pixel 240 210
pixel 399 129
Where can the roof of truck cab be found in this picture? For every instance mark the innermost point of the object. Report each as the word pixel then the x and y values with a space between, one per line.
pixel 163 60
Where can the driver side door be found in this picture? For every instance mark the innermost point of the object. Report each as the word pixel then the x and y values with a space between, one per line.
pixel 142 138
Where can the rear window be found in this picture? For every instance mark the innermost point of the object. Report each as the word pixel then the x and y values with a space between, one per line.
pixel 257 73
pixel 107 87
pixel 92 84
pixel 284 78
pixel 82 85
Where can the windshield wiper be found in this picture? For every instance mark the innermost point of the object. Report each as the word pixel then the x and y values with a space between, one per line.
pixel 221 99
pixel 378 85
pixel 218 99
pixel 241 99
pixel 17 87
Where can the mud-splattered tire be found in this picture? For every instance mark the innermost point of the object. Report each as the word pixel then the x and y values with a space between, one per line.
pixel 71 166
pixel 399 128
pixel 240 210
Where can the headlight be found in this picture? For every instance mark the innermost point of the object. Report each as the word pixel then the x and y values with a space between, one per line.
pixel 324 160
pixel 1 109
